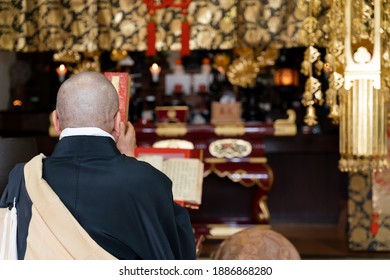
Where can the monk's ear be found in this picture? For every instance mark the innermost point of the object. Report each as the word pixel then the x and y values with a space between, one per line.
pixel 56 122
pixel 117 121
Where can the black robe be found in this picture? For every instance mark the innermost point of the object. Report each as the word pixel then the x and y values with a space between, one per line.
pixel 136 217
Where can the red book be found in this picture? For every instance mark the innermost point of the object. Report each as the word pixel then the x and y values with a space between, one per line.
pixel 121 82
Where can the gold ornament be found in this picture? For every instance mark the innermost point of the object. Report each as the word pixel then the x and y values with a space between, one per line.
pixel 243 72
pixel 118 55
pixel 244 52
pixel 67 56
pixel 268 57
pixel 221 62
pixel 310 117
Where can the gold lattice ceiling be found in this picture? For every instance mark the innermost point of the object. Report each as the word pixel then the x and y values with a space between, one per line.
pixel 90 25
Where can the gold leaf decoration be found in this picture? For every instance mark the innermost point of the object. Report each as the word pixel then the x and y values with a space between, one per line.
pixel 243 72
pixel 67 56
pixel 106 25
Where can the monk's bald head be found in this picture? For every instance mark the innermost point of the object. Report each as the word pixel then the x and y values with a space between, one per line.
pixel 87 99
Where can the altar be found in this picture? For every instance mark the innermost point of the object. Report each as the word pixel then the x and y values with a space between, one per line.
pixel 237 176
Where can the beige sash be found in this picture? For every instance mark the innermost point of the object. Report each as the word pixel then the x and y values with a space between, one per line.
pixel 8 235
pixel 53 232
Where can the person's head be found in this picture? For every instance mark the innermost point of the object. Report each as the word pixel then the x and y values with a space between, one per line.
pixel 87 99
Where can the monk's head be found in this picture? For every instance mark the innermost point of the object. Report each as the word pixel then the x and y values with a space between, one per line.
pixel 87 99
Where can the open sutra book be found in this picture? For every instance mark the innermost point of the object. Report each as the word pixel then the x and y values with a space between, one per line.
pixel 184 167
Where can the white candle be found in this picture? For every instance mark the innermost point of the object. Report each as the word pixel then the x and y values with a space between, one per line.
pixel 61 72
pixel 155 71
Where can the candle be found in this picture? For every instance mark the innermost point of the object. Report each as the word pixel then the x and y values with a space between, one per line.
pixel 155 71
pixel 61 72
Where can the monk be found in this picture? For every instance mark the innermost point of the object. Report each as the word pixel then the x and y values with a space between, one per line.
pixel 91 199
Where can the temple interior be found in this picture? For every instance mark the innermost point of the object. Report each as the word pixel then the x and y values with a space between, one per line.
pixel 284 102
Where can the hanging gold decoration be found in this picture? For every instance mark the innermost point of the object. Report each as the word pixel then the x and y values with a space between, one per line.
pixel 334 58
pixel 313 93
pixel 363 102
pixel 336 82
pixel 312 63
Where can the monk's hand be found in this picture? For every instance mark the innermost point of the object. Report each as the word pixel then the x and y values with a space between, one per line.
pixel 126 141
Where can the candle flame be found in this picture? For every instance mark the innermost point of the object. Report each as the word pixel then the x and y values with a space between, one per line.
pixel 155 71
pixel 61 72
pixel 155 67
pixel 61 69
